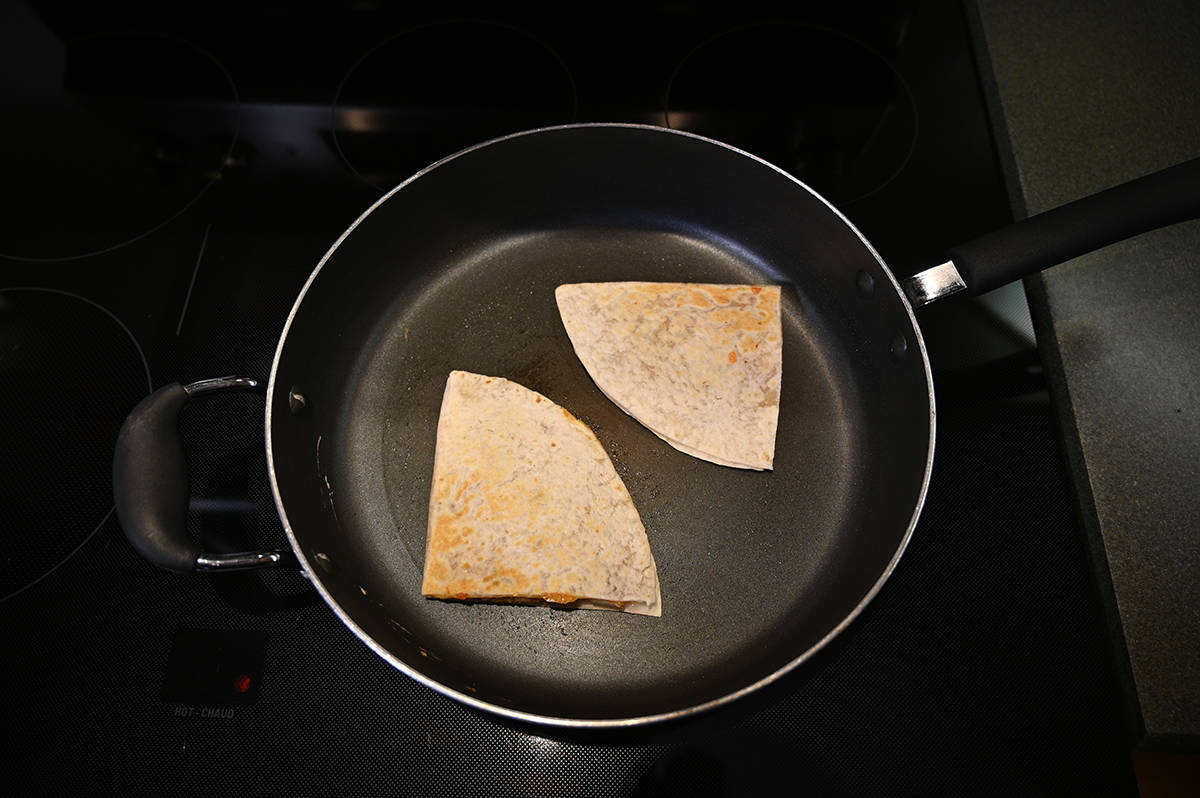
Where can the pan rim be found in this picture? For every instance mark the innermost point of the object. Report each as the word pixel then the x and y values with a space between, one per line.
pixel 569 722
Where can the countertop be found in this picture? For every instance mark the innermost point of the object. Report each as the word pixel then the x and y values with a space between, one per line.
pixel 1083 97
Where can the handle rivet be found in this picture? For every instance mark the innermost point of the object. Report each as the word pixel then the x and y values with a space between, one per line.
pixel 296 401
pixel 865 283
pixel 323 562
pixel 898 347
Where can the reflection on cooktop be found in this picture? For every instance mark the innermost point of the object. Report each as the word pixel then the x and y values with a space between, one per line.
pixel 430 91
pixel 230 504
pixel 813 101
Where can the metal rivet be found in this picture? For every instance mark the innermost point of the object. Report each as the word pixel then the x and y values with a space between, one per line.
pixel 899 347
pixel 865 283
pixel 296 401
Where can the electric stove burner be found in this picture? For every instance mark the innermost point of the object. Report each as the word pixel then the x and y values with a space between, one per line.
pixel 845 124
pixel 108 138
pixel 71 372
pixel 435 89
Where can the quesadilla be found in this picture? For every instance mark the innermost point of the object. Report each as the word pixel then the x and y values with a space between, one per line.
pixel 526 507
pixel 700 365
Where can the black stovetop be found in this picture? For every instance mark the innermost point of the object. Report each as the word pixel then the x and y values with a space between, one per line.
pixel 171 181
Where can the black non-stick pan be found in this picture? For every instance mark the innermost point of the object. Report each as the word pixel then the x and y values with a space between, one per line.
pixel 456 269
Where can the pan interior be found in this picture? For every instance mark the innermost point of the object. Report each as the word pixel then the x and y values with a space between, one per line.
pixel 742 556
pixel 756 568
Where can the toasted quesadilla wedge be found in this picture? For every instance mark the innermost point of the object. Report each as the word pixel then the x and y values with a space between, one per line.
pixel 526 507
pixel 700 365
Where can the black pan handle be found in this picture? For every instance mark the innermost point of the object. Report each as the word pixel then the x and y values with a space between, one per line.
pixel 150 483
pixel 1068 231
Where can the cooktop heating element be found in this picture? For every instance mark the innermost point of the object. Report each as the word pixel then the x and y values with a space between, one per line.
pixel 109 139
pixel 69 370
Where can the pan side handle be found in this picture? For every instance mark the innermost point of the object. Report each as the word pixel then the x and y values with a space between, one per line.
pixel 150 483
pixel 1157 200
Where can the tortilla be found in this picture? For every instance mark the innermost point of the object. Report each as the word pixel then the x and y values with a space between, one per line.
pixel 526 507
pixel 700 365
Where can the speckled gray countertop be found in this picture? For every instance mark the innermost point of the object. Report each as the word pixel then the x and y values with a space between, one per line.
pixel 1084 96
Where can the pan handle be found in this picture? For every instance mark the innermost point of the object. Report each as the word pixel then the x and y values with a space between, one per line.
pixel 150 483
pixel 1068 231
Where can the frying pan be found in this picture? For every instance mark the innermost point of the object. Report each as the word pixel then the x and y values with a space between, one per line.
pixel 456 269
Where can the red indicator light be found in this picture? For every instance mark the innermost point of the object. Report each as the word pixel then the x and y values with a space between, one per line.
pixel 241 683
